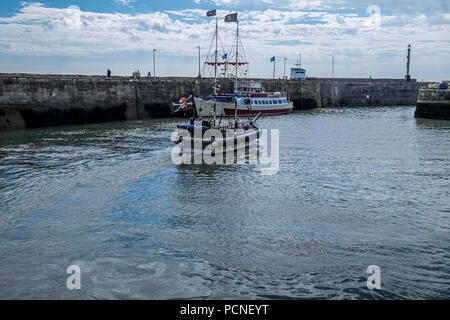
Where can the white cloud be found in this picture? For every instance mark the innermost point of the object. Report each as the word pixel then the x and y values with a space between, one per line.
pixel 364 50
pixel 124 2
pixel 218 2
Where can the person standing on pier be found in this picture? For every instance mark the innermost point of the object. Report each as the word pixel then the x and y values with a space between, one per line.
pixel 108 74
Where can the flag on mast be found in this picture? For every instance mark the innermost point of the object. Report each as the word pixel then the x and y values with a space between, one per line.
pixel 231 17
pixel 272 59
pixel 211 13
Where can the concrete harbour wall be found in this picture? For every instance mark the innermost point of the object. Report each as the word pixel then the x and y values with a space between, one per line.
pixel 28 101
pixel 433 104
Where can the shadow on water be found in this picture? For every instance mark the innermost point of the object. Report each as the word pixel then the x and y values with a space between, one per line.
pixel 433 124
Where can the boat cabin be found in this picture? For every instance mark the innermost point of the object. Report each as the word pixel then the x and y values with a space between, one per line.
pixel 249 87
pixel 298 73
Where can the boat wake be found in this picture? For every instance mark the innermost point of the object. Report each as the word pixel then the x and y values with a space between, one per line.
pixel 76 188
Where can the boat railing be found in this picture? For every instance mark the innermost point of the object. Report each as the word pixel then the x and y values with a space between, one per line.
pixel 276 94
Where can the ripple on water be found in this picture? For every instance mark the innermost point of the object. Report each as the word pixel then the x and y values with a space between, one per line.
pixel 356 187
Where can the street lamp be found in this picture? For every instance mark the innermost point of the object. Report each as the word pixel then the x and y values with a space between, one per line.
pixel 199 63
pixel 154 64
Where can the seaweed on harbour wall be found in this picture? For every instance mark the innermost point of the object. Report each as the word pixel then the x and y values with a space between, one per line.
pixel 35 118
pixel 433 110
pixel 158 110
pixel 304 103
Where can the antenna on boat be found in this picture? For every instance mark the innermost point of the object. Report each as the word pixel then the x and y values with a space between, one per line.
pixel 299 61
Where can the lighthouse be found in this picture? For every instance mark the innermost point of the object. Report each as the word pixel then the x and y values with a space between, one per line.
pixel 408 76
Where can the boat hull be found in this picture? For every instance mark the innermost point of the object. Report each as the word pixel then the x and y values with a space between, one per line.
pixel 225 145
pixel 246 112
pixel 205 108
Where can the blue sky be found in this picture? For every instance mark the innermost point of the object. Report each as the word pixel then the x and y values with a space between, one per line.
pixel 367 38
pixel 13 6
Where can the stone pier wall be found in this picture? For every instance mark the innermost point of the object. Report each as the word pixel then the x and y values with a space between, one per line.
pixel 28 101
pixel 433 104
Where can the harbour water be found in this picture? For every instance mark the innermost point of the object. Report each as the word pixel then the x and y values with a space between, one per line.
pixel 356 187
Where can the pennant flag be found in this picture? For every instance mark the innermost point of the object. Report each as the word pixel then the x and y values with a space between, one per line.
pixel 211 13
pixel 225 56
pixel 231 17
pixel 272 59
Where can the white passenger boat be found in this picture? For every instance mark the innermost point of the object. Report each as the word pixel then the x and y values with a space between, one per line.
pixel 249 97
pixel 250 100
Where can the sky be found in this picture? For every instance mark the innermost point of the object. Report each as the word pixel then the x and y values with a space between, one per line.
pixel 367 38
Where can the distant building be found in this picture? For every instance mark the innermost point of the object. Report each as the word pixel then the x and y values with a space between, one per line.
pixel 298 73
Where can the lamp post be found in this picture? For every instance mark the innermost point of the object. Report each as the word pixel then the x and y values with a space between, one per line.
pixel 284 76
pixel 199 63
pixel 274 59
pixel 332 67
pixel 154 64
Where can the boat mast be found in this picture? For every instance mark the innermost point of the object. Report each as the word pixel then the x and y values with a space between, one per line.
pixel 237 54
pixel 237 66
pixel 215 72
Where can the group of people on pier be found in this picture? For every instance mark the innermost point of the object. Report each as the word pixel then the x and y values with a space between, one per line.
pixel 135 76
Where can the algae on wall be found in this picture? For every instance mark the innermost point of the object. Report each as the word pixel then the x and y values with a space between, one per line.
pixel 433 110
pixel 35 118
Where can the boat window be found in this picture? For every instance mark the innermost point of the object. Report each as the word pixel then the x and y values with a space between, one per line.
pixel 280 101
pixel 274 101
